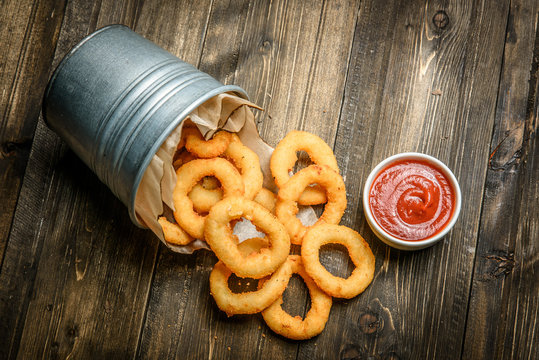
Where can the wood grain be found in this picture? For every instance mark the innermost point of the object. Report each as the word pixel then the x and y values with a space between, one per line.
pixel 237 52
pixel 27 45
pixel 504 303
pixel 416 306
pixel 293 63
pixel 76 272
pixel 455 79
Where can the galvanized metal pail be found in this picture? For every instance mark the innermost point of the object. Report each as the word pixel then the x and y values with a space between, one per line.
pixel 116 97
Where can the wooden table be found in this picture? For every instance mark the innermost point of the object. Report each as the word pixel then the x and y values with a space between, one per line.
pixel 457 80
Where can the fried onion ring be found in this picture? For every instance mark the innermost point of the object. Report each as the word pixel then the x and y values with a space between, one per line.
pixel 359 252
pixel 182 157
pixel 253 301
pixel 289 194
pixel 195 143
pixel 203 199
pixel 205 194
pixel 267 199
pixel 247 162
pixel 210 183
pixel 186 124
pixel 284 157
pixel 219 237
pixel 295 327
pixel 187 177
pixel 173 233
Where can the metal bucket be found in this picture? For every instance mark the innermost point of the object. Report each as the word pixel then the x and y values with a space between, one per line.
pixel 116 97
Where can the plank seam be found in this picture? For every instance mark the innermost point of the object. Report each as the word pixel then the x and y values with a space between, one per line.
pixel 20 61
pixel 474 261
pixel 205 34
pixel 137 354
pixel 33 135
pixel 314 63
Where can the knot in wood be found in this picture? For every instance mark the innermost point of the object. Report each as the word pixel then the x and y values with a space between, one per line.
pixel 503 264
pixel 72 333
pixel 11 148
pixel 440 20
pixel 370 323
pixel 265 45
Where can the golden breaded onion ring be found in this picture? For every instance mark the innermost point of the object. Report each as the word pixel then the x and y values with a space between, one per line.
pixel 204 194
pixel 187 177
pixel 195 143
pixel 204 199
pixel 289 194
pixel 247 162
pixel 295 327
pixel 210 183
pixel 267 199
pixel 182 157
pixel 173 233
pixel 219 237
pixel 284 158
pixel 358 250
pixel 253 301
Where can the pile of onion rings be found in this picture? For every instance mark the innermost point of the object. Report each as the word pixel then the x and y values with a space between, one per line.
pixel 219 182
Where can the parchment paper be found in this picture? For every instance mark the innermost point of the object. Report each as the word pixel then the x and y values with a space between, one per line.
pixel 224 111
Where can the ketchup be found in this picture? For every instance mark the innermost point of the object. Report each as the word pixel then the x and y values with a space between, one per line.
pixel 412 200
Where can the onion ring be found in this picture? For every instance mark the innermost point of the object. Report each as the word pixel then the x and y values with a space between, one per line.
pixel 206 193
pixel 219 237
pixel 267 199
pixel 247 162
pixel 187 177
pixel 210 183
pixel 173 233
pixel 295 327
pixel 284 157
pixel 359 252
pixel 253 301
pixel 182 157
pixel 203 199
pixel 187 123
pixel 289 194
pixel 195 143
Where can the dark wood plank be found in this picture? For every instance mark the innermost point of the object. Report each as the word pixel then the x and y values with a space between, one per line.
pixel 177 26
pixel 29 32
pixel 291 59
pixel 87 330
pixel 79 280
pixel 76 272
pixel 293 64
pixel 502 320
pixel 416 306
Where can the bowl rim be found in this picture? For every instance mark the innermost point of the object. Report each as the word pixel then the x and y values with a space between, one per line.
pixel 390 239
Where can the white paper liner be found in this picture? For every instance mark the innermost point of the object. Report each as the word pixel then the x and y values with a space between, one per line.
pixel 224 111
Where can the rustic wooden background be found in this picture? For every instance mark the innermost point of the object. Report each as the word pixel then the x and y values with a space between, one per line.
pixel 454 79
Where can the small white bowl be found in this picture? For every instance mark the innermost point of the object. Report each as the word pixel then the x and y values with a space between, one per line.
pixel 388 238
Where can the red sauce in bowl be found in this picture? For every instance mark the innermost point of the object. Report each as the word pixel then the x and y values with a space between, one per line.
pixel 412 200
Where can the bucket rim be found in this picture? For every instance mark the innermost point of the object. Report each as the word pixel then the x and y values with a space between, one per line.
pixel 234 89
